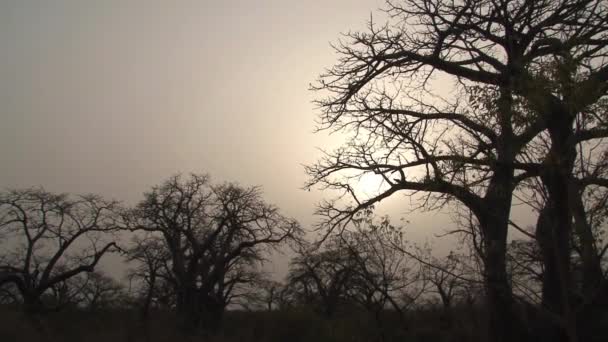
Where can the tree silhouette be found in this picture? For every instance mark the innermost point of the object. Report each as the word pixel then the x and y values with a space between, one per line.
pixel 152 273
pixel 321 278
pixel 470 147
pixel 51 239
pixel 214 236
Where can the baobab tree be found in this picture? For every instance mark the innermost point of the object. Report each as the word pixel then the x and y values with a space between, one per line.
pixel 52 238
pixel 470 147
pixel 214 236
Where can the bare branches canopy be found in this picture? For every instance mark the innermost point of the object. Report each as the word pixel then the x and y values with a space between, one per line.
pixel 50 238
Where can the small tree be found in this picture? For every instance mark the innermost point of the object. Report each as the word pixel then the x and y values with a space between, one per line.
pixel 151 275
pixel 322 278
pixel 270 295
pixel 100 292
pixel 386 276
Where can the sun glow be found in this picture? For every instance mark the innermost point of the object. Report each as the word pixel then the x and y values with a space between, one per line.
pixel 370 184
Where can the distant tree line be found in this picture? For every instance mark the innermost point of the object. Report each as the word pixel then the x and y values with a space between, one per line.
pixel 196 249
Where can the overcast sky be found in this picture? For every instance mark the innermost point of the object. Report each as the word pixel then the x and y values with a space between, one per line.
pixel 113 96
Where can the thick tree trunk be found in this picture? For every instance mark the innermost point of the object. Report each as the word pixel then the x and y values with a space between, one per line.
pixel 494 224
pixel 551 289
pixel 594 289
pixel 551 329
pixel 591 264
pixel 188 309
pixel 199 312
pixel 493 220
pixel 212 314
pixel 554 227
pixel 32 304
pixel 329 307
pixel 503 325
pixel 33 309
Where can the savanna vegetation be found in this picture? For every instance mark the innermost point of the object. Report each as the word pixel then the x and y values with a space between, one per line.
pixel 467 106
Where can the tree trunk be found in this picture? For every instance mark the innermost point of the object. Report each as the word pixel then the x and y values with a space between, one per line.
pixel 188 309
pixel 591 264
pixel 556 226
pixel 493 220
pixel 33 309
pixel 551 330
pixel 551 290
pixel 494 224
pixel 212 314
pixel 502 322
pixel 446 312
pixel 148 300
pixel 32 305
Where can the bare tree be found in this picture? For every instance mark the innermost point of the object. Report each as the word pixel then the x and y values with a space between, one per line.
pixel 471 151
pixel 386 277
pixel 99 291
pixel 212 234
pixel 253 290
pixel 51 239
pixel 151 274
pixel 321 278
pixel 573 284
pixel 526 269
pixel 271 294
pixel 359 267
pixel 445 277
pixel 9 295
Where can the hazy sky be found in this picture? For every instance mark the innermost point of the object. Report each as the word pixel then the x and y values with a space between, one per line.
pixel 113 96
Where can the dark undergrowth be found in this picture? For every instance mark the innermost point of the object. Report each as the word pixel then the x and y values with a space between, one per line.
pixel 297 325
pixel 288 325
